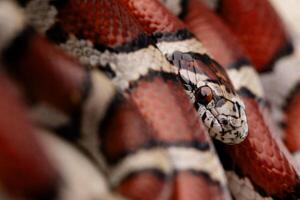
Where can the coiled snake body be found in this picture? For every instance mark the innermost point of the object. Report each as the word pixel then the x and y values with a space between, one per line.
pixel 148 141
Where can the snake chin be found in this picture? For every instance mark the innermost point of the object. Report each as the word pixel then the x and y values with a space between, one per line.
pixel 227 128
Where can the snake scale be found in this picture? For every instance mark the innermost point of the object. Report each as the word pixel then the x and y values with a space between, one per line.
pixel 144 134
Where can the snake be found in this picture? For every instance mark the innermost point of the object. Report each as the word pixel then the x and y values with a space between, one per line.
pixel 161 47
pixel 139 155
pixel 177 50
pixel 158 154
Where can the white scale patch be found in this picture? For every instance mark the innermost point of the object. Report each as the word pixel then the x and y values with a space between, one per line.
pixel 247 77
pixel 143 159
pixel 12 20
pixel 94 109
pixel 280 82
pixel 193 159
pixel 41 14
pixel 173 5
pixel 242 188
pixel 189 45
pixel 127 66
pixel 193 77
pixel 96 104
pixel 168 159
pixel 81 179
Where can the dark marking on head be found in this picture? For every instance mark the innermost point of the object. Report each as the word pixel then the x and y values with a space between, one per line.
pixel 234 108
pixel 224 121
pixel 212 123
pixel 202 64
pixel 220 102
pixel 203 116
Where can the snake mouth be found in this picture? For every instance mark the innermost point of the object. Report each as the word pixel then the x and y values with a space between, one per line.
pixel 229 129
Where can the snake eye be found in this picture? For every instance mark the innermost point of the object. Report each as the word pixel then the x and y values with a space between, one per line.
pixel 204 95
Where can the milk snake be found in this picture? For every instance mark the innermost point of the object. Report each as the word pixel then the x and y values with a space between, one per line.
pixel 158 163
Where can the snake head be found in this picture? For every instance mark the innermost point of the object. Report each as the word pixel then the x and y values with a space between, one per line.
pixel 211 91
pixel 224 116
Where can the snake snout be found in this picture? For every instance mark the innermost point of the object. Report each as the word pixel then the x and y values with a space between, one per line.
pixel 233 123
pixel 237 128
pixel 226 122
